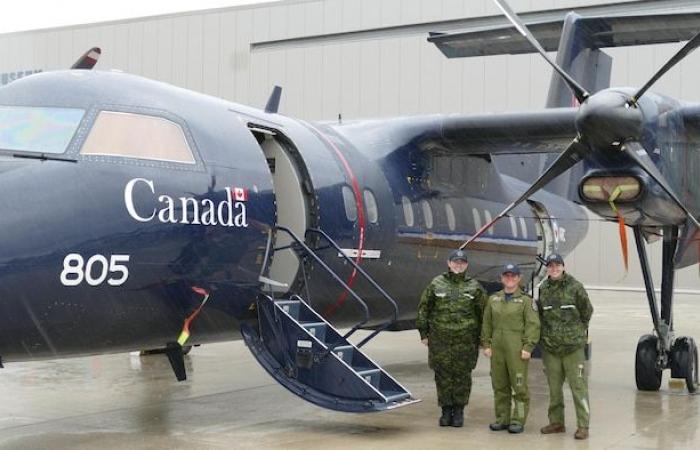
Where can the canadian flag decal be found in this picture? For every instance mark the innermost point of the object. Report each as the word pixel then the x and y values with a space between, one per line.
pixel 240 194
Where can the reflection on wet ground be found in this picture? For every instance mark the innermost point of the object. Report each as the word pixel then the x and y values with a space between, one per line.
pixel 127 401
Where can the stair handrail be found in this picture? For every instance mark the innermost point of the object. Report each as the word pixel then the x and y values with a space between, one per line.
pixel 367 277
pixel 335 276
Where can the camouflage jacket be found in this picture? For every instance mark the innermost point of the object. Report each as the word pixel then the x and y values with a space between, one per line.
pixel 451 304
pixel 565 311
pixel 516 317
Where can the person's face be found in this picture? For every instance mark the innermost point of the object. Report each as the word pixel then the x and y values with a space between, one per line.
pixel 555 270
pixel 457 266
pixel 510 281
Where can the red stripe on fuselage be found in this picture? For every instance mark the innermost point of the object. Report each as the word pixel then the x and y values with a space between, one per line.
pixel 360 219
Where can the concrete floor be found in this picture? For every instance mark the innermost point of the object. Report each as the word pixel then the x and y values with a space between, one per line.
pixel 126 401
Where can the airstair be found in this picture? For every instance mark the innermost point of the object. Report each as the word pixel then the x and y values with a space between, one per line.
pixel 312 359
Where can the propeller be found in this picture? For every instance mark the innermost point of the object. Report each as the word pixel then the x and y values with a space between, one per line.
pixel 605 120
pixel 579 92
pixel 565 161
pixel 634 150
pixel 682 53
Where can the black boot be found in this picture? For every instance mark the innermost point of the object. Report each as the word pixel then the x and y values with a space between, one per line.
pixel 457 416
pixel 446 417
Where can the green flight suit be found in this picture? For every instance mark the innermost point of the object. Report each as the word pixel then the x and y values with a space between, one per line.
pixel 449 316
pixel 565 311
pixel 510 326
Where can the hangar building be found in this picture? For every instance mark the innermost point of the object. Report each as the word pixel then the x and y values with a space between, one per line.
pixel 362 59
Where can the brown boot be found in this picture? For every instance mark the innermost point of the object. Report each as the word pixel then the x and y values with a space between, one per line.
pixel 553 428
pixel 581 433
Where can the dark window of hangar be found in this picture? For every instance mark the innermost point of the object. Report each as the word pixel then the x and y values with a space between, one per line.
pixel 137 136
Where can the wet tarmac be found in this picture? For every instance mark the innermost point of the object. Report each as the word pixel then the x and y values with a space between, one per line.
pixel 126 401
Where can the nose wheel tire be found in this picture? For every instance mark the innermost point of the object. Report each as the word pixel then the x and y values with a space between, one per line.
pixel 646 371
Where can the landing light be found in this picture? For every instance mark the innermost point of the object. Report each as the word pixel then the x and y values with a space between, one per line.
pixel 600 189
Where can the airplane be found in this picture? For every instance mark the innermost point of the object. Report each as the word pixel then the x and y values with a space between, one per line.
pixel 140 215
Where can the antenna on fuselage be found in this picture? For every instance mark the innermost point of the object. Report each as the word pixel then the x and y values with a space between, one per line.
pixel 88 60
pixel 273 103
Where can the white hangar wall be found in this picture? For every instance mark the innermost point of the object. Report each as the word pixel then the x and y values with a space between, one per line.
pixel 361 58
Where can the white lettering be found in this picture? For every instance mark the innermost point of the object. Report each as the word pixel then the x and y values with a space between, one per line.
pixel 129 199
pixel 184 201
pixel 241 220
pixel 168 213
pixel 191 211
pixel 208 216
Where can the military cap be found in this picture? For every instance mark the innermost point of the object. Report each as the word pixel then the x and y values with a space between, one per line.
pixel 554 258
pixel 457 255
pixel 511 268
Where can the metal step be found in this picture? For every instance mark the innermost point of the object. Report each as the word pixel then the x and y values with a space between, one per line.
pixel 316 329
pixel 371 376
pixel 308 356
pixel 291 307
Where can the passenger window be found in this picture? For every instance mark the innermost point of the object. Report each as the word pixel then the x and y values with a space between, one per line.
pixel 137 136
pixel 371 205
pixel 427 214
pixel 407 211
pixel 477 219
pixel 349 203
pixel 451 220
pixel 488 218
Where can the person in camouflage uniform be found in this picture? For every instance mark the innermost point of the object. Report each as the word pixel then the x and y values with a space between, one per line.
pixel 511 329
pixel 565 311
pixel 449 320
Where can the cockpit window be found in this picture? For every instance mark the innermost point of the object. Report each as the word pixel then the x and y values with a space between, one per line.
pixel 34 129
pixel 137 136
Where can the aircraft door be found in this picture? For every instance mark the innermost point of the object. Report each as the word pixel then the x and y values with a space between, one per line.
pixel 291 206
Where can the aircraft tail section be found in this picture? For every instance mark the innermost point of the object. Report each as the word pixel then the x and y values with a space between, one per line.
pixel 589 66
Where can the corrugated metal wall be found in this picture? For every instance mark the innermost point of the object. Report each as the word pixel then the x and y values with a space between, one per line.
pixel 390 71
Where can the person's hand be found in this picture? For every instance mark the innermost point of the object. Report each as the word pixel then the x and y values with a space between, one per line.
pixel 525 355
pixel 424 341
pixel 487 352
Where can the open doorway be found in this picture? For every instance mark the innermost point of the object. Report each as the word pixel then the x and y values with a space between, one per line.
pixel 290 200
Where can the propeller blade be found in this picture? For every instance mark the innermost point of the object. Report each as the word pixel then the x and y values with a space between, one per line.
pixel 579 92
pixel 88 60
pixel 634 150
pixel 678 57
pixel 566 160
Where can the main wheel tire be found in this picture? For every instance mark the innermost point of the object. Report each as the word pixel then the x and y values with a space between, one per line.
pixel 691 380
pixel 646 372
pixel 685 357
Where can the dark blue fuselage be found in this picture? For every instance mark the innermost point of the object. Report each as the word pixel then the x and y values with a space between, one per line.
pixel 184 225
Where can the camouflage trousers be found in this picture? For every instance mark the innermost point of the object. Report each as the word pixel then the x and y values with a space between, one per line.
pixel 569 367
pixel 453 361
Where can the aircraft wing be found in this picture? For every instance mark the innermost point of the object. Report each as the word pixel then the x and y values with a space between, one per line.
pixel 545 131
pixel 605 31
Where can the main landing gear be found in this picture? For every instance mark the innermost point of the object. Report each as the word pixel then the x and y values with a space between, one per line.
pixel 663 350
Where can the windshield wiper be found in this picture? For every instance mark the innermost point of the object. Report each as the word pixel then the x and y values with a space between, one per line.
pixel 44 157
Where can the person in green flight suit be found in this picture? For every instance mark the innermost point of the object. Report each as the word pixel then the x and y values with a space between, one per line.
pixel 449 322
pixel 511 329
pixel 565 311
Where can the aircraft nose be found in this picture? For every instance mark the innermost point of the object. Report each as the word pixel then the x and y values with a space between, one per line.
pixel 606 119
